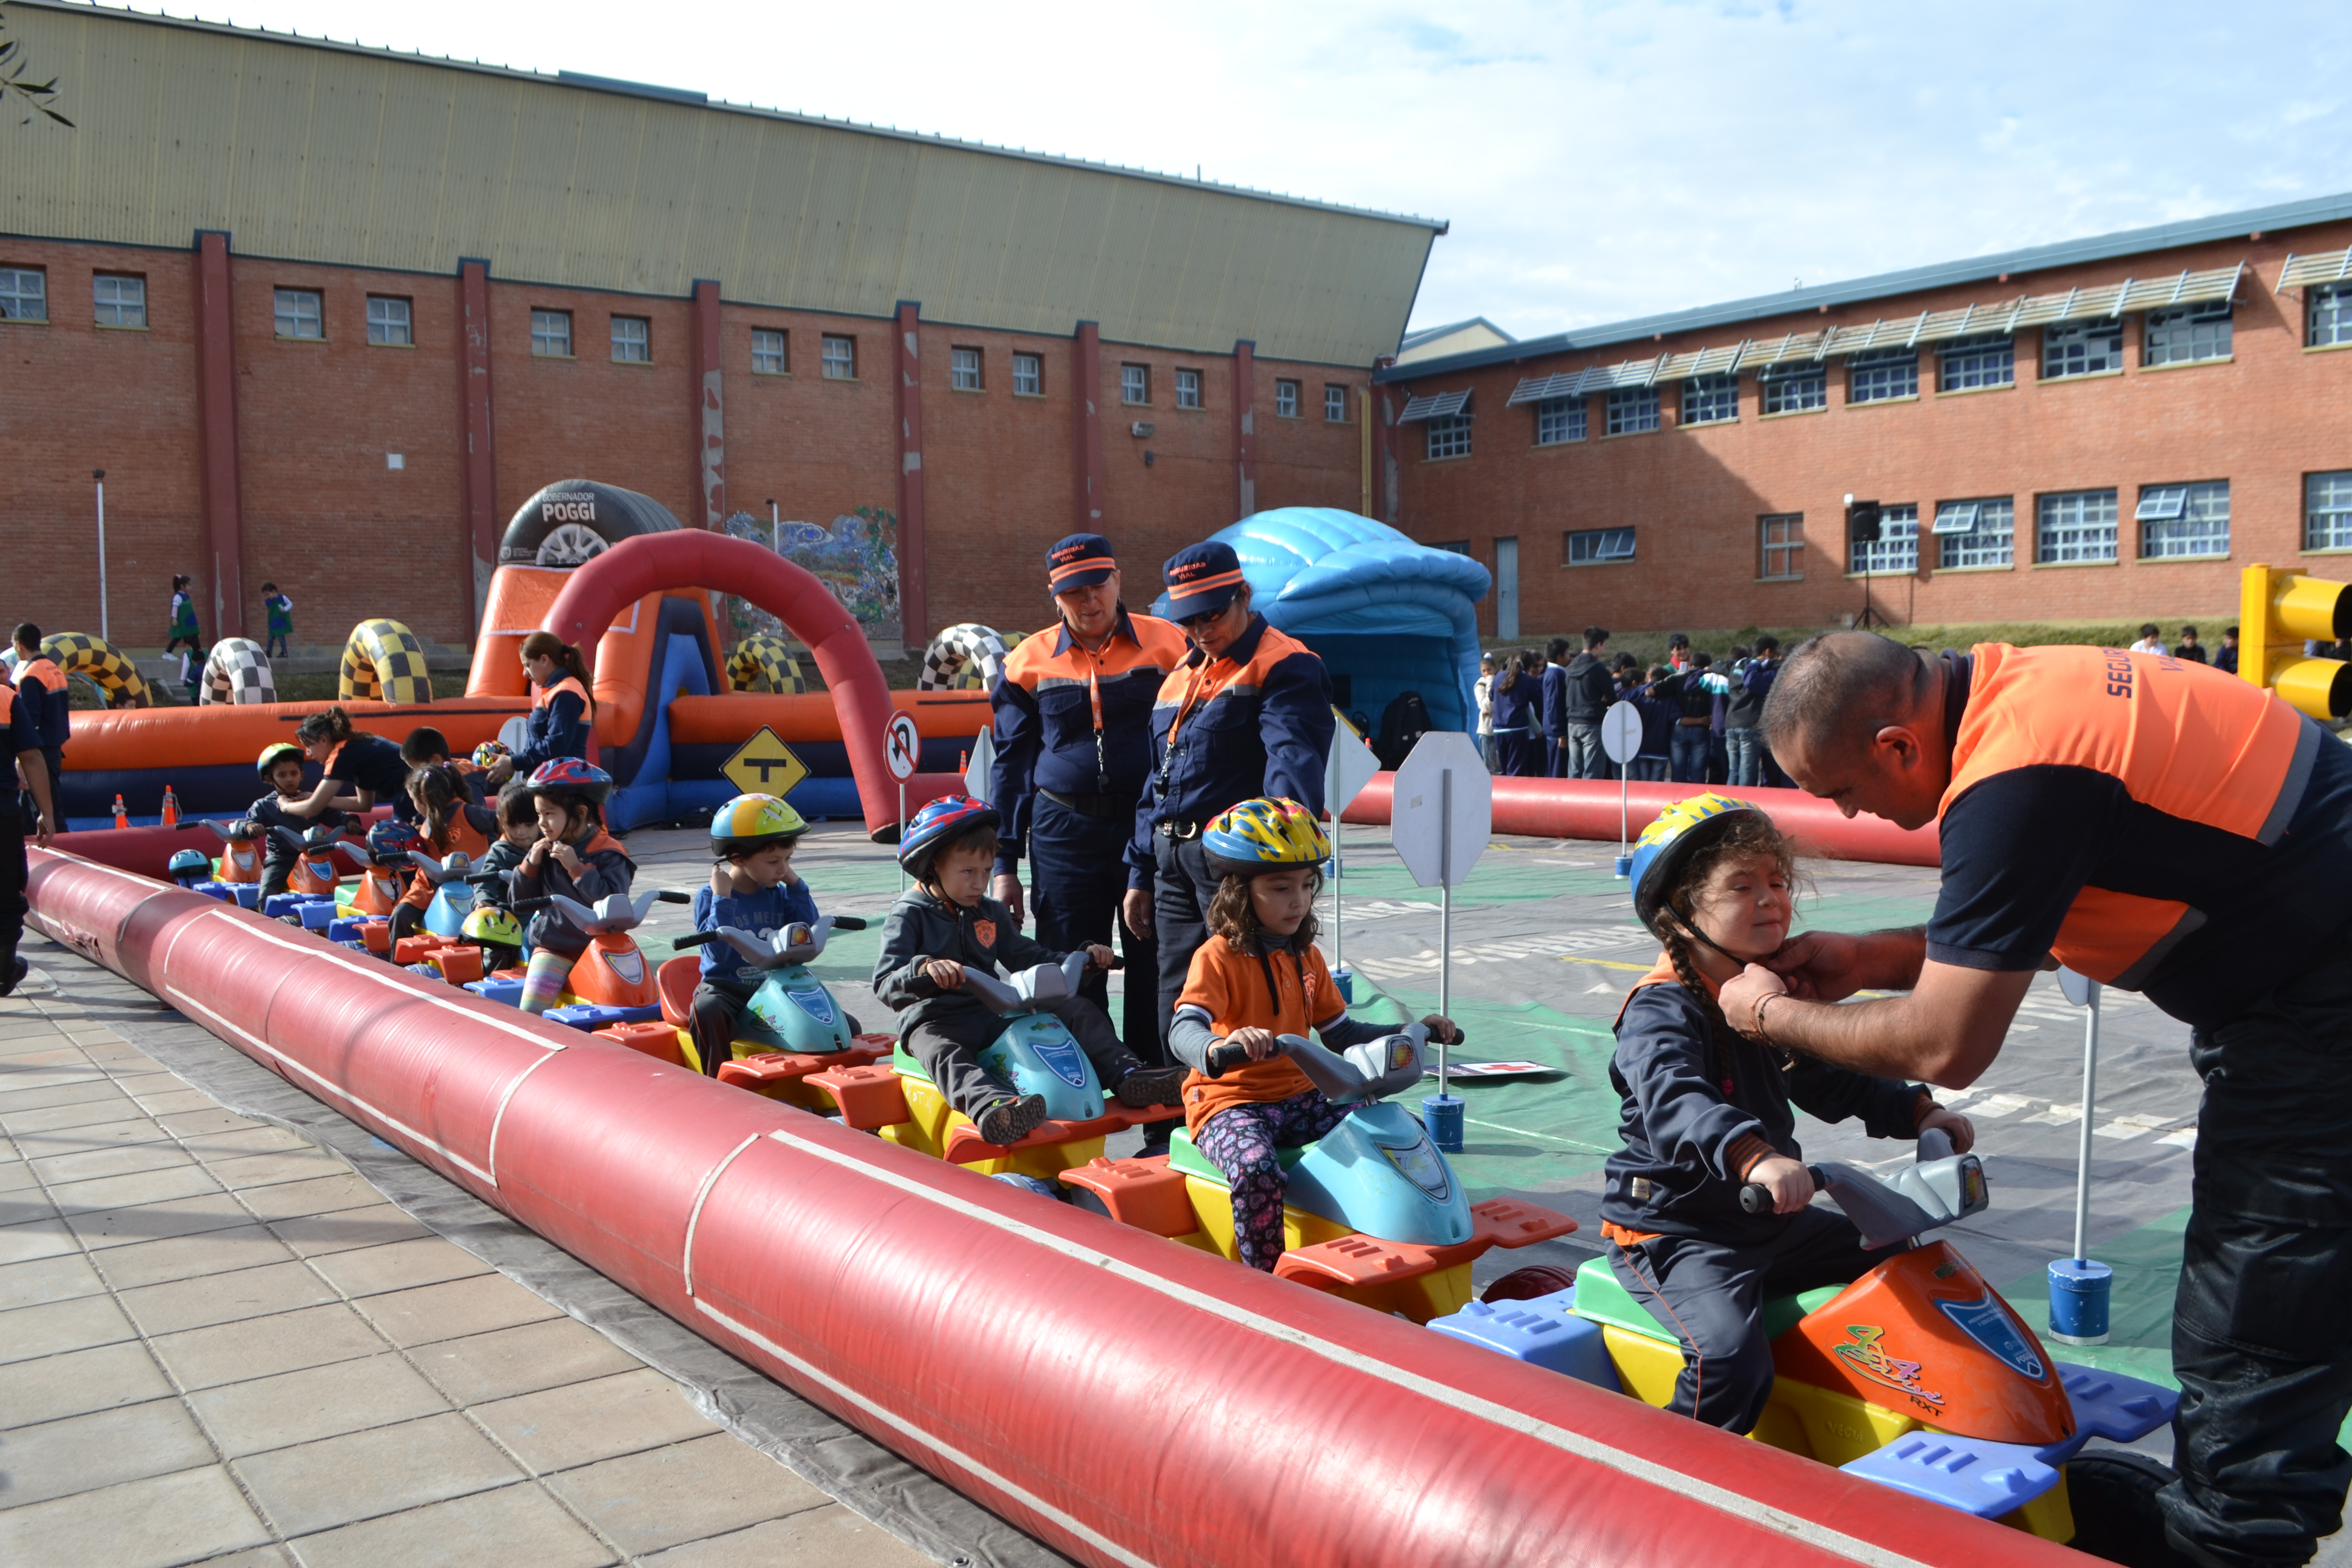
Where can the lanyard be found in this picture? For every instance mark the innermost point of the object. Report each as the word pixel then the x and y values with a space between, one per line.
pixel 1191 688
pixel 1102 764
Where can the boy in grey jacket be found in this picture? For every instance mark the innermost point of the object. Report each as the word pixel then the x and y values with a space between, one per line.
pixel 947 922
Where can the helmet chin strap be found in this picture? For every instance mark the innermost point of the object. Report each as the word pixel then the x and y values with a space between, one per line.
pixel 1690 929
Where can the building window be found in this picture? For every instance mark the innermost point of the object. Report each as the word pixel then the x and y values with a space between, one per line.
pixel 1710 399
pixel 1969 364
pixel 963 370
pixel 1449 437
pixel 1028 375
pixel 633 340
pixel 1795 389
pixel 1285 399
pixel 1560 419
pixel 551 334
pixel 2082 348
pixel 1883 374
pixel 1783 539
pixel 2079 525
pixel 300 314
pixel 1335 404
pixel 2327 510
pixel 1188 389
pixel 24 294
pixel 1598 546
pixel 2184 520
pixel 1981 532
pixel 1633 410
pixel 1897 547
pixel 770 352
pixel 2188 334
pixel 2329 314
pixel 388 322
pixel 1134 383
pixel 120 300
pixel 840 358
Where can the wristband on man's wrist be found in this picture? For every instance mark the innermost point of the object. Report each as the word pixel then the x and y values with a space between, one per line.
pixel 1756 1016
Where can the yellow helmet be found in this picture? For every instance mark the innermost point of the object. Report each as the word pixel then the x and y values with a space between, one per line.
pixel 751 822
pixel 1672 838
pixel 273 753
pixel 1265 835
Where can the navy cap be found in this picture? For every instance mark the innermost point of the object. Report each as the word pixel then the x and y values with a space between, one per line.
pixel 1081 560
pixel 1201 578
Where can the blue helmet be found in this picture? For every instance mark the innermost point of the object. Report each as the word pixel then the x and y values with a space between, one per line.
pixel 938 822
pixel 570 776
pixel 190 866
pixel 389 842
pixel 1671 839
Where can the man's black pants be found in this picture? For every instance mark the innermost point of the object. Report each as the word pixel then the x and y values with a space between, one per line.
pixel 1179 910
pixel 12 872
pixel 2261 1330
pixel 1077 875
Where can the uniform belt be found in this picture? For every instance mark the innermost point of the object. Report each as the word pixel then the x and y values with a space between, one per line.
pixel 1103 807
pixel 1177 829
pixel 1694 722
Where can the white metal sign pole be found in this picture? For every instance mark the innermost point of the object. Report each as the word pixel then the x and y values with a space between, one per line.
pixel 2083 1161
pixel 1338 869
pixel 902 833
pixel 104 635
pixel 1445 911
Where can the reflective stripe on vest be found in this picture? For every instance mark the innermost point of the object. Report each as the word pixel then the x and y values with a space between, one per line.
pixel 2182 739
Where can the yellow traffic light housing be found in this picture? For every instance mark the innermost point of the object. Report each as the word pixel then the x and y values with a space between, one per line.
pixel 2277 611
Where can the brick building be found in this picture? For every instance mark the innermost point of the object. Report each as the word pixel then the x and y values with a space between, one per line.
pixel 2107 427
pixel 327 315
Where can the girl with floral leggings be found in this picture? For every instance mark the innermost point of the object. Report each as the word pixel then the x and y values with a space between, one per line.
pixel 1259 976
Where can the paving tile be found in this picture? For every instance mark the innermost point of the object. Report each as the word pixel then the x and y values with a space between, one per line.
pixel 158 1082
pixel 460 1308
pixel 135 1223
pixel 103 1448
pixel 324 1195
pixel 270 1169
pixel 64 1278
pixel 558 1428
pixel 93 1135
pixel 337 1480
pixel 371 1271
pixel 313 1235
pixel 514 1527
pixel 74 1105
pixel 19 1176
pixel 259 1557
pixel 215 1146
pixel 292 1407
pixel 54 1327
pixel 164 1104
pixel 127 1160
pixel 524 1359
pixel 258 1347
pixel 152 1523
pixel 663 1498
pixel 212 1119
pixel 46 1236
pixel 119 1058
pixel 52 1387
pixel 822 1538
pixel 123 1192
pixel 186 1256
pixel 224 1298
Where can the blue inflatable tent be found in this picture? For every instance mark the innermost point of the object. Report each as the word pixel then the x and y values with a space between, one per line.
pixel 1386 615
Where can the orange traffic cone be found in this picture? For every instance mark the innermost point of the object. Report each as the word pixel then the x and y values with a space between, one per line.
pixel 171 806
pixel 122 817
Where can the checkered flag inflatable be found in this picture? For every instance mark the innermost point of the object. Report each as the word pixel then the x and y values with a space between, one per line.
pixel 765 664
pixel 949 662
pixel 383 662
pixel 238 671
pixel 96 660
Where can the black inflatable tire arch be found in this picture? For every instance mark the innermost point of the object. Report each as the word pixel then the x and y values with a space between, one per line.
pixel 579 512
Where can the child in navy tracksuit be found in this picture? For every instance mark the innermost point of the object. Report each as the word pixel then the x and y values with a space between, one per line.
pixel 1707 1111
pixel 281 769
pixel 753 888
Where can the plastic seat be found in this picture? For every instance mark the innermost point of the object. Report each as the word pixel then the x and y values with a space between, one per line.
pixel 1185 1155
pixel 676 981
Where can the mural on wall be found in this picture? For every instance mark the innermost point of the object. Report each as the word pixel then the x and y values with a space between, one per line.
pixel 857 557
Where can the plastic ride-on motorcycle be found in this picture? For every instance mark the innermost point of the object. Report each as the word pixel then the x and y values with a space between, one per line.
pixel 383 870
pixel 612 977
pixel 453 897
pixel 1917 1375
pixel 1373 1213
pixel 240 855
pixel 791 1028
pixel 314 858
pixel 1034 1054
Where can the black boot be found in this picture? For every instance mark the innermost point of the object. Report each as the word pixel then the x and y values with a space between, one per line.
pixel 2113 1495
pixel 14 974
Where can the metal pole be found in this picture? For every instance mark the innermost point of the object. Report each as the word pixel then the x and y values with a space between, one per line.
pixel 1338 873
pixel 2082 1160
pixel 902 832
pixel 1624 774
pixel 1444 910
pixel 104 634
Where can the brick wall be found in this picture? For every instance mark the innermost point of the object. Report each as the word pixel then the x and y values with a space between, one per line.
pixel 2261 420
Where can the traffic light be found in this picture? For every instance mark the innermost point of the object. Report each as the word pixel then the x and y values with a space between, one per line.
pixel 2277 611
pixel 1862 521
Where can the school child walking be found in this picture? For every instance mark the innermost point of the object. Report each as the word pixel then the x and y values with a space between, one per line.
pixel 281 620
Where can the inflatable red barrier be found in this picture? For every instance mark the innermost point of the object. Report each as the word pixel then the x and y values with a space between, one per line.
pixel 149 850
pixel 1587 808
pixel 1129 1400
pixel 691 558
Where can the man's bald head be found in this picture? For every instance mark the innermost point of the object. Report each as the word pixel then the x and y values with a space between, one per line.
pixel 1839 689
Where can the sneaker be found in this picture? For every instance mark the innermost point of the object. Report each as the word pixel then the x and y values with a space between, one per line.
pixel 17 970
pixel 1009 1120
pixel 1151 1086
pixel 2117 1516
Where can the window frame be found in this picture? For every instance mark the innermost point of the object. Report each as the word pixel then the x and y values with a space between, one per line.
pixel 828 360
pixel 97 304
pixel 2189 518
pixel 2337 299
pixel 622 341
pixel 1570 412
pixel 406 323
pixel 1285 391
pixel 542 321
pixel 1954 550
pixel 1599 554
pixel 2062 337
pixel 1188 389
pixel 1626 409
pixel 2204 313
pixel 1799 379
pixel 1863 370
pixel 2047 555
pixel 1131 378
pixel 1444 431
pixel 1703 392
pixel 1975 355
pixel 967 377
pixel 2339 508
pixel 11 301
pixel 1870 562
pixel 279 313
pixel 1335 403
pixel 1789 545
pixel 779 350
pixel 1030 367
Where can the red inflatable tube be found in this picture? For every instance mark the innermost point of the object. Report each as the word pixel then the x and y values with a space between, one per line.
pixel 149 850
pixel 1127 1399
pixel 692 558
pixel 1587 808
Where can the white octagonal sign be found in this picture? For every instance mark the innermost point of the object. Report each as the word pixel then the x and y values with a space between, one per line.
pixel 1443 809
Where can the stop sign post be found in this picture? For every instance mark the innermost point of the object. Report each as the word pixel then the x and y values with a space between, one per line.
pixel 900 748
pixel 1350 768
pixel 1441 811
pixel 1621 737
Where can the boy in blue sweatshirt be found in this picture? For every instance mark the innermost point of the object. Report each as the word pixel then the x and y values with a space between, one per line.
pixel 754 888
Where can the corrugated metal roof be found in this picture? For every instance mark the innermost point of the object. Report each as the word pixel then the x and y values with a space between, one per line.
pixel 2097 247
pixel 309 150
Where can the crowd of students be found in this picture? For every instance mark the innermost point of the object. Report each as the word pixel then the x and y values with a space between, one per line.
pixel 1539 714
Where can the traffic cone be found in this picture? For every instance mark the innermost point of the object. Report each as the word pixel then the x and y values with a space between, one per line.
pixel 171 806
pixel 122 817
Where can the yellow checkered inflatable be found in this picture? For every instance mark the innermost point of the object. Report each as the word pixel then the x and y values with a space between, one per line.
pixel 765 664
pixel 78 653
pixel 383 662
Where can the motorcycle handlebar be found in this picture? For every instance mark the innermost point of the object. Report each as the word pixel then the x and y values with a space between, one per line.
pixel 1223 1058
pixel 670 896
pixel 1757 1198
pixel 849 922
pixel 693 938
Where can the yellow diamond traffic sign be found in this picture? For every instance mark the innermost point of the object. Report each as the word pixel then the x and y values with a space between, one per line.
pixel 764 765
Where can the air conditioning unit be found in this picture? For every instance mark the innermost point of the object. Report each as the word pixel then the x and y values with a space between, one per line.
pixel 1141 429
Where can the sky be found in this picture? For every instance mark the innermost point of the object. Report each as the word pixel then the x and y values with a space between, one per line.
pixel 1596 160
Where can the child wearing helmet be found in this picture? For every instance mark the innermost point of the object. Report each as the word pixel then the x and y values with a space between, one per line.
pixel 448 822
pixel 281 767
pixel 1706 1111
pixel 1260 976
pixel 946 922
pixel 427 747
pixel 754 888
pixel 574 857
